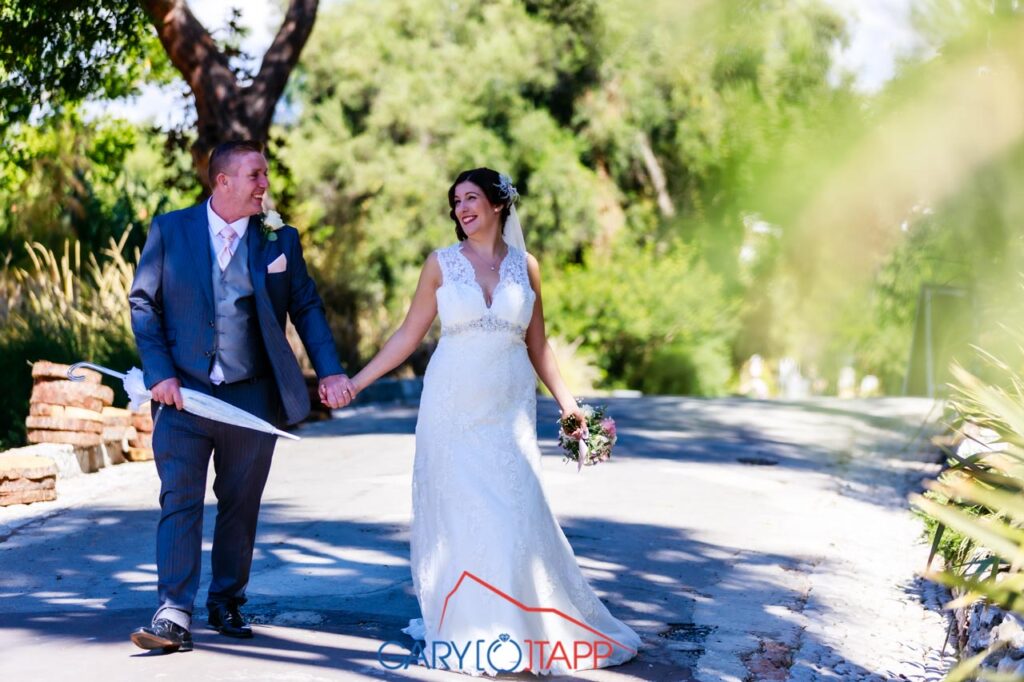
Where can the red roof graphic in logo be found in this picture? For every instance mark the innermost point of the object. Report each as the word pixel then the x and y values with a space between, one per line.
pixel 524 607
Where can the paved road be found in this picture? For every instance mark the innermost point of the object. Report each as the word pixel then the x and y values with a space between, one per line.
pixel 744 540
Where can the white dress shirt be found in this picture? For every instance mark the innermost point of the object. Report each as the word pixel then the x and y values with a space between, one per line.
pixel 216 225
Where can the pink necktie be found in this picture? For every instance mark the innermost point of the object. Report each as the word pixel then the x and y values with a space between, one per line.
pixel 229 237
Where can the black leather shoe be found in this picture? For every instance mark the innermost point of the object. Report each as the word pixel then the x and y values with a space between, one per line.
pixel 163 634
pixel 225 619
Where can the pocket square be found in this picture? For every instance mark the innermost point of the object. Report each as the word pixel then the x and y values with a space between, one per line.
pixel 280 264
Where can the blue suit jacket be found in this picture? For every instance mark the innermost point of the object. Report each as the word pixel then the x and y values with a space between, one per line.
pixel 173 311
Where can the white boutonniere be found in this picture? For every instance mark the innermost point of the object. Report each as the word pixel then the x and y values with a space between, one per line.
pixel 271 222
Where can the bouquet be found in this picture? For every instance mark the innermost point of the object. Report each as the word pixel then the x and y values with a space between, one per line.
pixel 590 442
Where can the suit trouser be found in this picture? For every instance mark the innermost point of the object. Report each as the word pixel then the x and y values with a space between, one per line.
pixel 182 445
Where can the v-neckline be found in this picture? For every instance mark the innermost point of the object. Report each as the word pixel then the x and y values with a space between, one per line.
pixel 479 287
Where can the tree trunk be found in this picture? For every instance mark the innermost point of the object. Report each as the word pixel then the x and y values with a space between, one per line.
pixel 225 109
pixel 657 176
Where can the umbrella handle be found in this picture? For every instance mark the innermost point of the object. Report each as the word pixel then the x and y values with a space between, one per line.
pixel 102 370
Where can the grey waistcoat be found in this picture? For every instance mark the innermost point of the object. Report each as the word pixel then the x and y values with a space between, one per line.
pixel 239 343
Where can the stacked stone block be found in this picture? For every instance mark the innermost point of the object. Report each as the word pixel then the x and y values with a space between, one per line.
pixel 64 411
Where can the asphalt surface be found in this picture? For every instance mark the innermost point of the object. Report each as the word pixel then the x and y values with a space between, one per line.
pixel 713 531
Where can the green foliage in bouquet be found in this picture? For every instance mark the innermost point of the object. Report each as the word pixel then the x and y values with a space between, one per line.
pixel 599 436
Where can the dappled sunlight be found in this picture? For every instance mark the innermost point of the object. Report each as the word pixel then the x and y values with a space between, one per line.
pixel 75 602
pixel 295 556
pixel 679 557
pixel 135 577
pixel 718 209
pixel 348 554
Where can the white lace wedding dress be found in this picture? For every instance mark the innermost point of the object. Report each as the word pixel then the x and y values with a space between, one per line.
pixel 488 556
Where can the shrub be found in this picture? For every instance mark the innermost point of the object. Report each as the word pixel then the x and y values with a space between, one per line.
pixel 656 319
pixel 55 309
pixel 975 507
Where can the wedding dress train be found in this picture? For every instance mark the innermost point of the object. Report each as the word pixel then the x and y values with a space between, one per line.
pixel 497 582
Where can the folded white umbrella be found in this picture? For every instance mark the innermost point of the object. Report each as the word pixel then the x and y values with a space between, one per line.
pixel 195 402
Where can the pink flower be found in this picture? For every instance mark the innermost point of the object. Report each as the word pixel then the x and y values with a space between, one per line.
pixel 608 426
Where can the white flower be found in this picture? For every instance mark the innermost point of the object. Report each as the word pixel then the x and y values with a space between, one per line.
pixel 508 191
pixel 272 220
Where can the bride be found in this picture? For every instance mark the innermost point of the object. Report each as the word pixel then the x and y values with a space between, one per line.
pixel 497 582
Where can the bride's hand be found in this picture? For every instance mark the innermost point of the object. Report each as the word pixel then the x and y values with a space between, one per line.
pixel 574 411
pixel 337 391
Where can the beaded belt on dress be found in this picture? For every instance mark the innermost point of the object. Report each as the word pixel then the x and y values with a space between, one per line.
pixel 484 324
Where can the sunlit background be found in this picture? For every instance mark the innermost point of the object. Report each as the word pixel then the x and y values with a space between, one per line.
pixel 771 199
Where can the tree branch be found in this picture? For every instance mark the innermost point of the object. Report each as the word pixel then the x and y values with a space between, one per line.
pixel 224 110
pixel 220 112
pixel 657 175
pixel 189 45
pixel 281 58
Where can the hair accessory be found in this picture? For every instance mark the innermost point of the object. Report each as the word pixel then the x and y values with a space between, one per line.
pixel 508 191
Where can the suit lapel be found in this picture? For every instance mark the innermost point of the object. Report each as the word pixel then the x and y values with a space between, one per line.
pixel 257 269
pixel 287 373
pixel 197 232
pixel 258 272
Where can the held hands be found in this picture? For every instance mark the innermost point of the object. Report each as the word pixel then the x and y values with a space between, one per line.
pixel 337 391
pixel 168 392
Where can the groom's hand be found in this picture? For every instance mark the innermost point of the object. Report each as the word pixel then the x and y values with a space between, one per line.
pixel 337 391
pixel 168 392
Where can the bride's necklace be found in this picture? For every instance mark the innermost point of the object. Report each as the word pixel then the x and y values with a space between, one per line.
pixel 492 265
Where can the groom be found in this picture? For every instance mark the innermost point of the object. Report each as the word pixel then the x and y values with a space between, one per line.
pixel 212 290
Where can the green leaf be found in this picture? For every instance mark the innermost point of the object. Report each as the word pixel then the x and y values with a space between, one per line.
pixel 991 534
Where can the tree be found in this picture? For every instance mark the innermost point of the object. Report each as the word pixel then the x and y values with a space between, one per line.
pixel 54 52
pixel 88 180
pixel 226 107
pixel 398 97
pixel 637 136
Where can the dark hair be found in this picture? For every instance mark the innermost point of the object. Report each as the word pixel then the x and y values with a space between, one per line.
pixel 223 154
pixel 487 180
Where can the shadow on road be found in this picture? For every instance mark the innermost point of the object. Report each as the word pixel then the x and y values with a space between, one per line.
pixel 91 581
pixel 327 592
pixel 868 442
